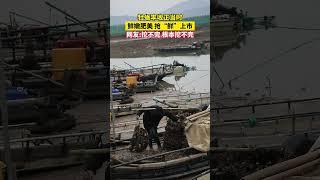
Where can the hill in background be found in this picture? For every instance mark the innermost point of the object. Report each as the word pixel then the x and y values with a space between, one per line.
pixel 190 8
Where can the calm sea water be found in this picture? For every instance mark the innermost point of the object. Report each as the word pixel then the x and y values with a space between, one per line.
pixel 295 75
pixel 193 81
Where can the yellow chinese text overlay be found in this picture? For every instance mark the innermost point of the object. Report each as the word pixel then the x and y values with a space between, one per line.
pixel 159 17
pixel 160 26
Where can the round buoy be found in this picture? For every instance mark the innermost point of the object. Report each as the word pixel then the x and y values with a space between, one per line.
pixel 252 121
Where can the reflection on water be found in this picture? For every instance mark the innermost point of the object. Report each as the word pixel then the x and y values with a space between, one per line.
pixel 178 76
pixel 226 34
pixel 191 81
pixel 220 51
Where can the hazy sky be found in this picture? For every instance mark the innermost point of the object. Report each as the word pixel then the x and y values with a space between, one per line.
pixel 133 7
pixel 83 9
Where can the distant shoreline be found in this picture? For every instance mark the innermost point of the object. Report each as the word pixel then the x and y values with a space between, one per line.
pixel 120 47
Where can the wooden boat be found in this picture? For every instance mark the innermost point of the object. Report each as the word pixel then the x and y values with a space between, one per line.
pixel 120 96
pixel 145 73
pixel 173 169
pixel 149 86
pixel 184 162
pixel 141 87
pixel 195 47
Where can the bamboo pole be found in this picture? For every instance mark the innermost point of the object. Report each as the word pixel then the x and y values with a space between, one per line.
pixel 16 126
pixel 197 114
pixel 202 115
pixel 147 108
pixel 304 178
pixel 283 166
pixel 165 103
pixel 90 151
pixel 300 170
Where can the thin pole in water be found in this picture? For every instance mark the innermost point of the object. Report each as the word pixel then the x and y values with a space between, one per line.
pixel 113 118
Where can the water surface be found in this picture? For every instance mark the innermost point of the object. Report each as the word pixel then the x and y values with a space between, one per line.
pixel 294 75
pixel 193 81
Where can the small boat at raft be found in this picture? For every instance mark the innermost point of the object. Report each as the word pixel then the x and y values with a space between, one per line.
pixel 195 46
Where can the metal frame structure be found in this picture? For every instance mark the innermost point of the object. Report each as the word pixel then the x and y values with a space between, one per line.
pixel 291 114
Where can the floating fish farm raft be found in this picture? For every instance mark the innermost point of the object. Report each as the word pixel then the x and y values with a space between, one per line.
pixel 259 134
pixel 55 80
pixel 259 138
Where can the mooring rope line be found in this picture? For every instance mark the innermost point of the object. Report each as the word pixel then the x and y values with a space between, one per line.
pixel 189 83
pixel 218 75
pixel 297 28
pixel 268 60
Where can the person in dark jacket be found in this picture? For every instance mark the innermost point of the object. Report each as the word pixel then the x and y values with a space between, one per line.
pixel 151 120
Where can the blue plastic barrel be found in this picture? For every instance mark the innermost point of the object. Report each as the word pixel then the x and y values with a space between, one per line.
pixel 115 90
pixel 14 93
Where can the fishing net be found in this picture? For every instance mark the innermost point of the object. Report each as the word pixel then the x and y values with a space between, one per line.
pixel 139 141
pixel 174 137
